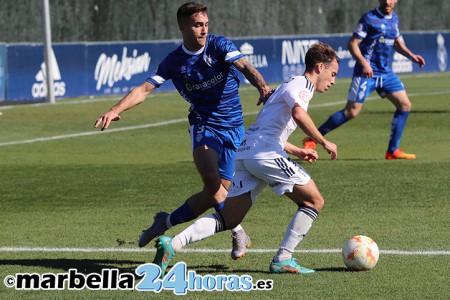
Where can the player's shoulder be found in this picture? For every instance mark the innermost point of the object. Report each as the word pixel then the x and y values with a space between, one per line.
pixel 220 42
pixel 214 38
pixel 372 14
pixel 395 17
pixel 300 82
pixel 175 53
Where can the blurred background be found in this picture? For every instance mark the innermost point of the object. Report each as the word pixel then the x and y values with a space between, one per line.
pixel 129 20
pixel 106 47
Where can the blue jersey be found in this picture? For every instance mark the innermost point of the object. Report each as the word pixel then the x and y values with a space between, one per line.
pixel 207 80
pixel 378 33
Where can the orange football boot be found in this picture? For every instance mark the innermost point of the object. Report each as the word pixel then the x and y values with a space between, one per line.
pixel 399 154
pixel 309 143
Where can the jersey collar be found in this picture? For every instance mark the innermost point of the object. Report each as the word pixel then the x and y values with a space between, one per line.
pixel 382 14
pixel 198 52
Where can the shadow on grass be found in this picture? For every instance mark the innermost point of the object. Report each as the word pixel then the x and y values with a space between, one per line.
pixel 444 111
pixel 326 160
pixel 87 266
pixel 220 269
pixel 82 265
pixel 334 269
pixel 361 159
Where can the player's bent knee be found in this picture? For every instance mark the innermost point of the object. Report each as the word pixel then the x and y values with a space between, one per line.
pixel 352 114
pixel 319 204
pixel 316 202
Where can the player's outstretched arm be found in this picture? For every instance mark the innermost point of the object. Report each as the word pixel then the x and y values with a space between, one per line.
pixel 400 47
pixel 130 100
pixel 255 78
pixel 306 124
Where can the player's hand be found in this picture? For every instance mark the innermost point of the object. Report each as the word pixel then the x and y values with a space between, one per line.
pixel 106 119
pixel 331 148
pixel 265 94
pixel 308 155
pixel 419 60
pixel 367 70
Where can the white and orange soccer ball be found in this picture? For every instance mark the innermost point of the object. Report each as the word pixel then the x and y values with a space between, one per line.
pixel 360 253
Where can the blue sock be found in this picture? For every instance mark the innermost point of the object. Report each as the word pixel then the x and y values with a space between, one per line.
pixel 397 128
pixel 182 214
pixel 219 207
pixel 333 122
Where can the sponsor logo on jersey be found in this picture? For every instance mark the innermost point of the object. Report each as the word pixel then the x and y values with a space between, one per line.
pixel 383 40
pixel 304 96
pixel 204 85
pixel 209 60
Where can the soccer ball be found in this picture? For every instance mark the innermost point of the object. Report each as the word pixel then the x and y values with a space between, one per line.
pixel 360 253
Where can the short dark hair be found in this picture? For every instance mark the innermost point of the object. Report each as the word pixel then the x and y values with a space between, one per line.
pixel 188 9
pixel 320 53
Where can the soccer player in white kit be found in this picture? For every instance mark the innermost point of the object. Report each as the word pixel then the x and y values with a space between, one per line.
pixel 262 160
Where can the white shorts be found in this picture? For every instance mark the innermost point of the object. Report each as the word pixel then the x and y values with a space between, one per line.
pixel 253 175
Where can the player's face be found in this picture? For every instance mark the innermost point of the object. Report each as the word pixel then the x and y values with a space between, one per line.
pixel 194 31
pixel 327 77
pixel 387 6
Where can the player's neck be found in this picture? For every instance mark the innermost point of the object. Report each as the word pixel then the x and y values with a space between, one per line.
pixel 311 77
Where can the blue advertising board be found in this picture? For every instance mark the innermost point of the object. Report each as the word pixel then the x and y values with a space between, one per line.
pixel 27 71
pixel 116 68
pixel 278 59
pixel 85 69
pixel 2 72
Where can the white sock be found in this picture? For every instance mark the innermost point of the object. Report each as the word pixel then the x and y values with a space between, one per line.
pixel 202 228
pixel 236 229
pixel 297 229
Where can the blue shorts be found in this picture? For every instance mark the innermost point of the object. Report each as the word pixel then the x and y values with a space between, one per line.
pixel 385 84
pixel 224 141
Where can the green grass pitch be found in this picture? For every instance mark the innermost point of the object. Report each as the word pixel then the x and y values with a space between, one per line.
pixel 65 184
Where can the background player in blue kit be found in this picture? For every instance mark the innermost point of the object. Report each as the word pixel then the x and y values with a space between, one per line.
pixel 371 45
pixel 204 70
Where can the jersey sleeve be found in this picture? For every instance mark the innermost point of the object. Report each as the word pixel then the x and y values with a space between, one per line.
pixel 397 26
pixel 362 27
pixel 161 74
pixel 298 92
pixel 230 50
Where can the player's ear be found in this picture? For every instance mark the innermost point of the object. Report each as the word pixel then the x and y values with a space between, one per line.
pixel 319 67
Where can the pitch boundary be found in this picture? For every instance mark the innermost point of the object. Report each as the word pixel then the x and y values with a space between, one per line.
pixel 206 250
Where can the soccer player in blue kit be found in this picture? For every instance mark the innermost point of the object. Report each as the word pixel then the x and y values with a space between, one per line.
pixel 204 70
pixel 371 45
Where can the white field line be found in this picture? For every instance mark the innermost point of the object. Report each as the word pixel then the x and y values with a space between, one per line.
pixel 116 250
pixel 174 121
pixel 158 124
pixel 87 133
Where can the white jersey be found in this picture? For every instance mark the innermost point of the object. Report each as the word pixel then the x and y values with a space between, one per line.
pixel 266 138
